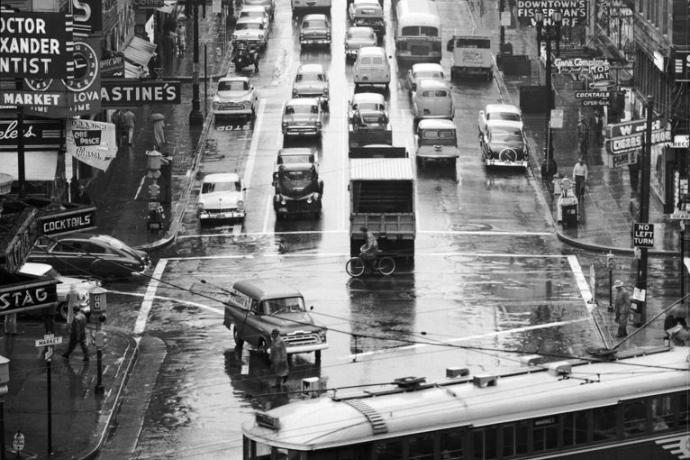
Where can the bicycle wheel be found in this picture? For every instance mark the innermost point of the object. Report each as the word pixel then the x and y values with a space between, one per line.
pixel 355 267
pixel 385 265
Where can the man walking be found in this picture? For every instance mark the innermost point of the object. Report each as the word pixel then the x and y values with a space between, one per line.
pixel 279 358
pixel 77 334
pixel 129 120
pixel 580 178
pixel 621 309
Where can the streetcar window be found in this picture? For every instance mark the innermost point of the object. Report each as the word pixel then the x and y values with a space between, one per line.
pixel 634 418
pixel 575 428
pixel 515 439
pixel 421 447
pixel 484 443
pixel 451 445
pixel 684 411
pixel 545 433
pixel 391 450
pixel 604 421
pixel 662 413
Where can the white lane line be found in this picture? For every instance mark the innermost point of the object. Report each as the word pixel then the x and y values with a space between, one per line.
pixel 267 216
pixel 344 254
pixel 147 303
pixel 318 232
pixel 171 299
pixel 253 146
pixel 581 281
pixel 445 343
pixel 141 184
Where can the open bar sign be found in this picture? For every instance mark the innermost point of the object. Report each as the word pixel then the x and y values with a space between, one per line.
pixel 643 235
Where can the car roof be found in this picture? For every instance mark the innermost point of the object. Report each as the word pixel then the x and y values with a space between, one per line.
pixel 262 289
pixel 234 78
pixel 314 17
pixel 503 125
pixel 426 66
pixel 221 177
pixel 369 97
pixel 502 108
pixel 432 83
pixel 436 123
pixel 249 19
pixel 371 51
pixel 303 101
pixel 296 151
pixel 310 68
pixel 35 269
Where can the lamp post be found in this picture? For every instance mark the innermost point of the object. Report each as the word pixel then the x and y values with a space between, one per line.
pixel 610 263
pixel 195 116
pixel 548 33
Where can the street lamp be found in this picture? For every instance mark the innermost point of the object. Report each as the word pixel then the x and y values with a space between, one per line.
pixel 549 33
pixel 610 264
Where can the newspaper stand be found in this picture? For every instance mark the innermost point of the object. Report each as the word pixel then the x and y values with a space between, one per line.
pixel 566 206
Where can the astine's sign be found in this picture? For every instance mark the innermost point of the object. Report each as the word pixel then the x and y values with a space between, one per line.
pixel 120 92
pixel 573 11
pixel 592 69
pixel 36 45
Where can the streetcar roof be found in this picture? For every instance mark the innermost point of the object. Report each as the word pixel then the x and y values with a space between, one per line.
pixel 517 396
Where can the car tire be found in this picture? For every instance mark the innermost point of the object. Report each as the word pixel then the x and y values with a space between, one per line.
pixel 61 312
pixel 238 342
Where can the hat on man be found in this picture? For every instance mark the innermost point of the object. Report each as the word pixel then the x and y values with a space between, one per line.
pixel 618 284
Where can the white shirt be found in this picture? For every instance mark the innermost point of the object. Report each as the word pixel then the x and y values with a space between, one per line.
pixel 580 169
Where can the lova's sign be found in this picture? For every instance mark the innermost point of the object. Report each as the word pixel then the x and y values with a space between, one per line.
pixel 572 11
pixel 93 142
pixel 28 296
pixel 38 134
pixel 119 93
pixel 643 235
pixel 594 69
pixel 68 222
pixel 36 44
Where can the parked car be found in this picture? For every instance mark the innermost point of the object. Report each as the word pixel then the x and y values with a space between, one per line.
pixel 358 37
pixel 315 31
pixel 252 31
pixel 222 197
pixel 257 11
pixel 371 67
pixel 504 144
pixel 235 97
pixel 503 112
pixel 81 285
pixel 311 81
pixel 423 71
pixel 100 256
pixel 302 117
pixel 433 99
pixel 367 101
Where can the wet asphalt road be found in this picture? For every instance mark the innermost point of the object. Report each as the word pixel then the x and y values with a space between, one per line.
pixel 489 276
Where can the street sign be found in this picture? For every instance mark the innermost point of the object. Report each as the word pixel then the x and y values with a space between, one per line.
pixel 556 118
pixel 643 235
pixel 616 160
pixel 49 340
pixel 18 442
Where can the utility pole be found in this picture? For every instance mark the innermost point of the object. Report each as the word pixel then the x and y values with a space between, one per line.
pixel 195 116
pixel 644 209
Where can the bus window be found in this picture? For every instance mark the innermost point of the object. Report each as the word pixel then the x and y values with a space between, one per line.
pixel 484 443
pixel 604 420
pixel 421 447
pixel 634 418
pixel 545 433
pixel 451 445
pixel 514 439
pixel 391 450
pixel 575 428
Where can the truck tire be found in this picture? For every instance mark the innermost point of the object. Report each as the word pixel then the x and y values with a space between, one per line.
pixel 317 357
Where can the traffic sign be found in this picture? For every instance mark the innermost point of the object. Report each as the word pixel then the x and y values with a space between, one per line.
pixel 48 340
pixel 643 235
pixel 18 442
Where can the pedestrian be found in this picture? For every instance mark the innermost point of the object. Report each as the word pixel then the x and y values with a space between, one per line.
pixel 279 358
pixel 72 303
pixel 621 309
pixel 10 324
pixel 154 62
pixel 580 175
pixel 159 134
pixel 116 119
pixel 181 32
pixel 129 121
pixel 77 335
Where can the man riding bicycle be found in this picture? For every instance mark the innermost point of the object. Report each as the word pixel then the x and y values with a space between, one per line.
pixel 369 250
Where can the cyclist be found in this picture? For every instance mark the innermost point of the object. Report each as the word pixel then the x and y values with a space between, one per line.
pixel 369 250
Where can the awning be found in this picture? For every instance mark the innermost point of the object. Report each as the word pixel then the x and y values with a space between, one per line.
pixel 131 70
pixel 140 51
pixel 38 165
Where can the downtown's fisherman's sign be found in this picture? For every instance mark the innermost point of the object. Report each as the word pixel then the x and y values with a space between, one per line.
pixel 36 45
pixel 572 11
pixel 92 142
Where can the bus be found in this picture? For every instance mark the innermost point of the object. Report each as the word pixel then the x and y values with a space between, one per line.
pixel 632 406
pixel 417 31
pixel 471 56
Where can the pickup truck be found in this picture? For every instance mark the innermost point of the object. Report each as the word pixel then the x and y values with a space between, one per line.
pixel 298 189
pixel 369 127
pixel 382 198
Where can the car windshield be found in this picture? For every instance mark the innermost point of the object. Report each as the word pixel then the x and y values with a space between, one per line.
pixel 314 24
pixel 237 85
pixel 286 305
pixel 360 34
pixel 508 116
pixel 251 14
pixel 371 118
pixel 369 11
pixel 506 135
pixel 249 26
pixel 438 136
pixel 210 187
pixel 311 76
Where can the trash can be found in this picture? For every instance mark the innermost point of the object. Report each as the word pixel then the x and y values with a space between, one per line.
pixel 569 214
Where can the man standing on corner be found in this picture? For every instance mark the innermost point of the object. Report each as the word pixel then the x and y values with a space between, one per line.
pixel 622 309
pixel 279 358
pixel 77 334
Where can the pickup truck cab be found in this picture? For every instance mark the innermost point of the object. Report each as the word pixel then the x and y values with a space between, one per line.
pixel 255 307
pixel 302 117
pixel 433 99
pixel 436 140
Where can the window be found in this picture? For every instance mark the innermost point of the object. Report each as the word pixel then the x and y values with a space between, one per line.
pixel 484 443
pixel 682 403
pixel 93 248
pixel 662 413
pixel 441 93
pixel 429 31
pixel 515 439
pixel 604 423
pixel 365 60
pixel 634 418
pixel 68 246
pixel 451 445
pixel 377 61
pixel 421 447
pixel 545 433
pixel 575 428
pixel 391 450
pixel 286 305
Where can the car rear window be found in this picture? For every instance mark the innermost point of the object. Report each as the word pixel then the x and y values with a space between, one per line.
pixel 377 61
pixel 509 116
pixel 232 86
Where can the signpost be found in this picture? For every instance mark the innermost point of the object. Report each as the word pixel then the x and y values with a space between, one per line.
pixel 48 341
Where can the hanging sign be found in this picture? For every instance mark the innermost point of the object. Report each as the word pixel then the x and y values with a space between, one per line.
pixel 36 44
pixel 69 221
pixel 27 296
pixel 572 11
pixel 38 134
pixel 681 65
pixel 594 69
pixel 113 67
pixel 93 142
pixel 122 93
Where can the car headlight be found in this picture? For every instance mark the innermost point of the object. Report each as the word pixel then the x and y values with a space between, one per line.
pixel 240 204
pixel 294 92
pixel 285 125
pixel 261 36
pixel 318 125
pixel 322 335
pixel 310 199
pixel 283 201
pixel 326 91
pixel 247 104
pixel 200 206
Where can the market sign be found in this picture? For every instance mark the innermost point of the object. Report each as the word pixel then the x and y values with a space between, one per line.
pixel 572 11
pixel 681 65
pixel 92 142
pixel 30 295
pixel 593 69
pixel 36 45
pixel 121 92
pixel 70 221
pixel 19 241
pixel 16 97
pixel 38 134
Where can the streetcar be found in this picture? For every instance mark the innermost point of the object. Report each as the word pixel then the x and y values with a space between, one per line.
pixel 417 31
pixel 633 406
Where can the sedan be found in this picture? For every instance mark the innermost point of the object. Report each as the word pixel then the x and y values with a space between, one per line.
pixel 222 197
pixel 235 97
pixel 252 31
pixel 423 71
pixel 100 256
pixel 502 112
pixel 357 37
pixel 503 144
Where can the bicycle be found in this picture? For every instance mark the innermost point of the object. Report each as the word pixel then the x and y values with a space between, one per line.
pixel 381 265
